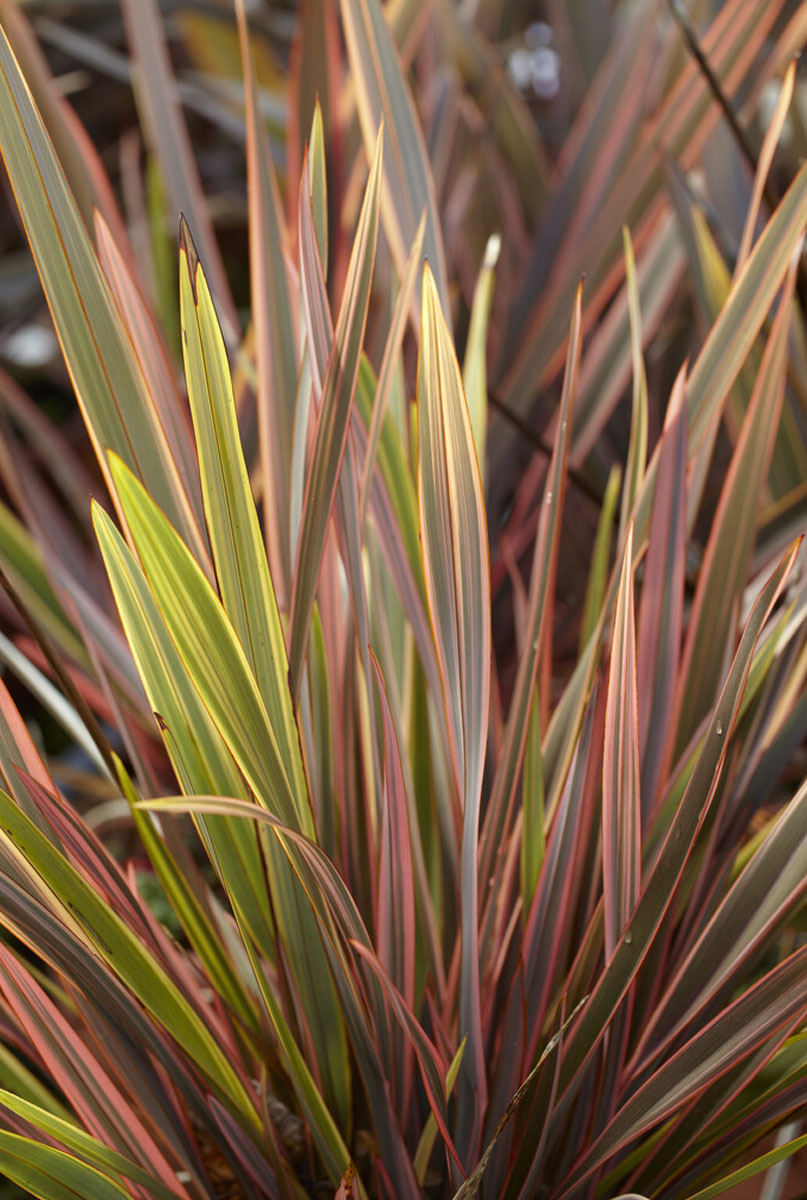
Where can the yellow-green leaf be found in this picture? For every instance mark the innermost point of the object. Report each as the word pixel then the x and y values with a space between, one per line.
pixel 453 531
pixel 242 569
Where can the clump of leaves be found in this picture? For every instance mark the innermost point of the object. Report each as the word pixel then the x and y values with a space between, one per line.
pixel 424 914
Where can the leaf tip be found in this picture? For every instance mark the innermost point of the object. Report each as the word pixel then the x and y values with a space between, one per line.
pixel 188 248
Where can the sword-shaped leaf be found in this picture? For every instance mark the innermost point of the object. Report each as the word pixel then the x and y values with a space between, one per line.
pixel 242 570
pixel 210 648
pixel 84 1146
pixel 110 388
pixel 778 1001
pixel 621 808
pixel 333 425
pixel 453 531
pixel 763 1163
pixel 163 121
pixel 637 449
pixel 220 674
pixel 660 887
pixel 123 951
pixel 770 885
pixel 273 310
pixel 53 1174
pixel 662 606
pixel 544 565
pixel 725 562
pixel 383 94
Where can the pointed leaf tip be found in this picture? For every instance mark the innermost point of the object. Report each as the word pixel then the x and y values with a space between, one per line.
pixel 187 246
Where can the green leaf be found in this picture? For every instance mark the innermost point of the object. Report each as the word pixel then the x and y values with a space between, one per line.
pixel 389 363
pixel 660 886
pixel 325 1133
pixel 778 1001
pixel 637 448
pixel 749 303
pixel 52 1174
pixel 189 912
pixel 195 746
pixel 318 183
pixel 770 142
pixel 26 1086
pixel 334 419
pixel 470 1187
pixel 328 897
pixel 533 831
pixel 544 564
pixel 157 365
pixel 221 675
pixel 242 570
pixel 427 1137
pixel 273 312
pixel 621 805
pixel 662 607
pixel 121 949
pixel 762 1163
pixel 382 93
pixel 453 531
pixel 600 558
pixel 725 563
pixel 97 349
pixel 210 649
pixel 474 366
pixel 769 886
pixel 88 1149
pixel 164 124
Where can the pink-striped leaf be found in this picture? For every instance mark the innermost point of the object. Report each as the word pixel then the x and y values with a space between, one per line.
pixel 453 533
pixel 770 886
pixel 712 618
pixel 662 605
pixel 333 425
pixel 778 1001
pixel 659 889
pixel 162 117
pixel 382 93
pixel 544 565
pixel 621 805
pixel 273 312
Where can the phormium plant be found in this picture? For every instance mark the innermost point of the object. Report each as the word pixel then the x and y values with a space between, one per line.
pixel 356 890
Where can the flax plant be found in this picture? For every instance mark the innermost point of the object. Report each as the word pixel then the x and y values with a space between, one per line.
pixel 400 861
